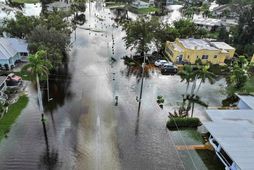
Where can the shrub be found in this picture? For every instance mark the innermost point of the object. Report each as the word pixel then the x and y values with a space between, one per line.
pixel 186 122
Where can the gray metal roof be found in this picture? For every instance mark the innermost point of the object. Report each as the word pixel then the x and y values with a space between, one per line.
pixel 237 141
pixel 247 99
pixel 9 47
pixel 234 131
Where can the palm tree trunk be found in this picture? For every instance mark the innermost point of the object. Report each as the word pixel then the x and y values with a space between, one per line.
pixel 187 88
pixel 198 88
pixel 39 94
pixel 194 86
pixel 192 109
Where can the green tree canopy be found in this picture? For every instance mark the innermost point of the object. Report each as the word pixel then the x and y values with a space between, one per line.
pixel 140 33
pixel 20 26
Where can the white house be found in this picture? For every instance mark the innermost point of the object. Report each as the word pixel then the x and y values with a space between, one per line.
pixel 12 50
pixel 231 134
pixel 211 24
pixel 140 4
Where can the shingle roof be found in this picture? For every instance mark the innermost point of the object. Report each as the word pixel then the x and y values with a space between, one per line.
pixel 9 47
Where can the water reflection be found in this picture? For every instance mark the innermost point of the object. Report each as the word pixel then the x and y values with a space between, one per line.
pixel 59 83
pixel 49 158
pixel 134 68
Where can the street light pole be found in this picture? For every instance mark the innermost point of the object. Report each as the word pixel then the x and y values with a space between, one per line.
pixel 141 87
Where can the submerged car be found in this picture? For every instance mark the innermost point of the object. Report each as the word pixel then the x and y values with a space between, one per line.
pixel 160 62
pixel 169 69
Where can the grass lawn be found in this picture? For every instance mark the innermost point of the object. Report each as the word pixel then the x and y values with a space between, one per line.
pixel 10 117
pixel 25 1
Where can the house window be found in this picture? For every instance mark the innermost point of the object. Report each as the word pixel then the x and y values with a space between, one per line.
pixel 215 56
pixel 197 56
pixel 204 57
pixel 188 56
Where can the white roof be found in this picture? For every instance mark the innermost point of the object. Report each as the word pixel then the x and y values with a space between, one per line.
pixel 9 47
pixel 234 131
pixel 247 99
pixel 222 45
pixel 198 44
pixel 59 4
pixel 236 140
pixel 207 21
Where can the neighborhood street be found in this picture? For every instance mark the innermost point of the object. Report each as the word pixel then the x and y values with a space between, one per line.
pixel 84 129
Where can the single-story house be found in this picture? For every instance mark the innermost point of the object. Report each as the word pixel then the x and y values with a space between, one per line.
pixel 229 10
pixel 140 4
pixel 212 24
pixel 231 134
pixel 12 50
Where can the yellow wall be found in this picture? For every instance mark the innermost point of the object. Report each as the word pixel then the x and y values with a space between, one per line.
pixel 191 55
pixel 252 60
pixel 173 54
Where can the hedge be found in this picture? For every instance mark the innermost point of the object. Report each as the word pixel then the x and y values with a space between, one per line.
pixel 186 122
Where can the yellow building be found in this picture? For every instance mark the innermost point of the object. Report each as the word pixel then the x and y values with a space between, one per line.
pixel 189 50
pixel 252 60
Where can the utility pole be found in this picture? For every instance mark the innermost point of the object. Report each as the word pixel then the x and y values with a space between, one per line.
pixel 141 87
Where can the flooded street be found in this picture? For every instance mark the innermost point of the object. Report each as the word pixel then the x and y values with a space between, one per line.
pixel 84 130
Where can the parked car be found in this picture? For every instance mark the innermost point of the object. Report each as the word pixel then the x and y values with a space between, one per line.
pixel 160 62
pixel 169 69
pixel 13 80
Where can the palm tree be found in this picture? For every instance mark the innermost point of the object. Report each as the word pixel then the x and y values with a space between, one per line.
pixel 186 75
pixel 38 67
pixel 194 100
pixel 204 74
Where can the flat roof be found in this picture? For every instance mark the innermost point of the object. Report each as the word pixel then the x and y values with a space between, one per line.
pixel 222 45
pixel 237 141
pixel 198 44
pixel 234 131
pixel 247 99
pixel 231 115
pixel 208 21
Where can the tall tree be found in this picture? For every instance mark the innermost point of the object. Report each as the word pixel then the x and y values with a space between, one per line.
pixel 186 75
pixel 21 26
pixel 140 33
pixel 38 67
pixel 204 74
pixel 243 34
pixel 239 75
